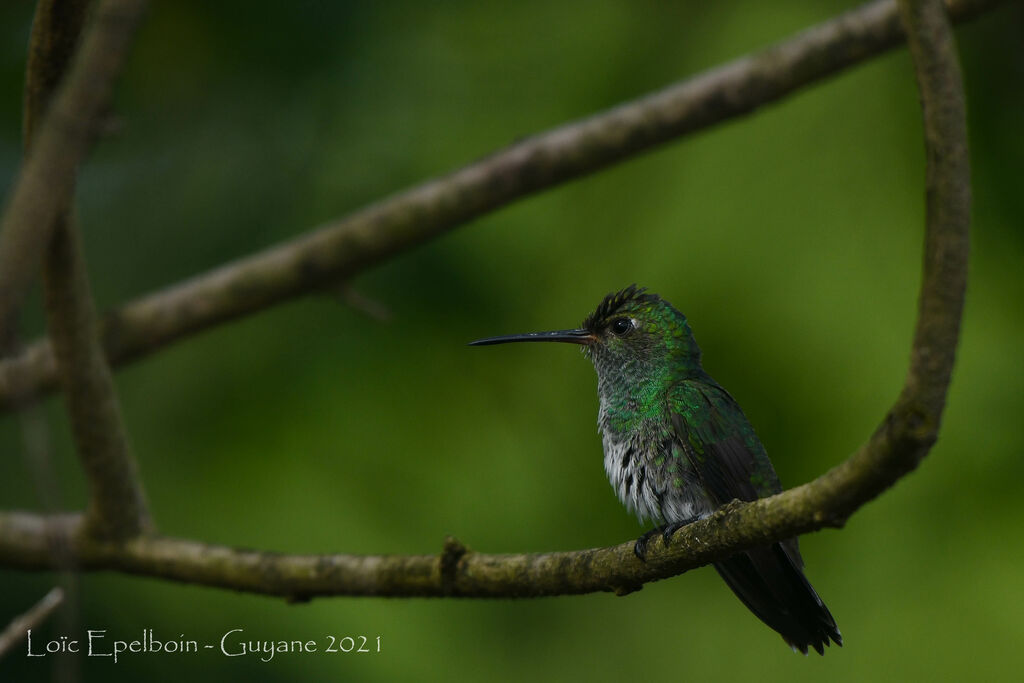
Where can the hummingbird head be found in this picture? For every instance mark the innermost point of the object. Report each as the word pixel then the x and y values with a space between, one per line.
pixel 631 336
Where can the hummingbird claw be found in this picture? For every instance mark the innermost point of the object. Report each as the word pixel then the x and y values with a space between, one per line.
pixel 640 548
pixel 665 531
pixel 669 529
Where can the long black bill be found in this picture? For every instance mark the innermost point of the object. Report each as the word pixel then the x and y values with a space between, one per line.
pixel 580 336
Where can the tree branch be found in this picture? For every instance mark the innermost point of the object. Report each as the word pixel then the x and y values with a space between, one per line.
pixel 56 28
pixel 897 446
pixel 948 203
pixel 117 501
pixel 44 185
pixel 346 247
pixel 117 506
pixel 26 540
pixel 19 626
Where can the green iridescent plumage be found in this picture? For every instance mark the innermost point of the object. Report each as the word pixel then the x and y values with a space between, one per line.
pixel 677 446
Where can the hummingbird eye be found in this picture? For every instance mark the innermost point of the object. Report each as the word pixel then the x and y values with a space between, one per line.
pixel 621 326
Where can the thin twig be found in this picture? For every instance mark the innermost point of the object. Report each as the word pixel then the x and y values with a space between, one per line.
pixel 20 625
pixel 368 306
pixel 353 244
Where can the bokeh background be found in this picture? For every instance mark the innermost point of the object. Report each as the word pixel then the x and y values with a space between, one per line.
pixel 791 239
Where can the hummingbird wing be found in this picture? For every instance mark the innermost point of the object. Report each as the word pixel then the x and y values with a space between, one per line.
pixel 720 443
pixel 731 463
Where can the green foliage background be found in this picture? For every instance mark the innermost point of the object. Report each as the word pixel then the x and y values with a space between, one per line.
pixel 790 238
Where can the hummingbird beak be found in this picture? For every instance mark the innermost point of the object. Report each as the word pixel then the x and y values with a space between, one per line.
pixel 580 336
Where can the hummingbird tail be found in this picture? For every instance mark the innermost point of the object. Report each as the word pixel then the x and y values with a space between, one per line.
pixel 772 585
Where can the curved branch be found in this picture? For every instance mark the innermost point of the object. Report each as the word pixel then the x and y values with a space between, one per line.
pixel 897 446
pixel 948 204
pixel 349 246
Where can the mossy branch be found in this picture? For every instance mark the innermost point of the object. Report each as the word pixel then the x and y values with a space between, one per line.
pixel 346 247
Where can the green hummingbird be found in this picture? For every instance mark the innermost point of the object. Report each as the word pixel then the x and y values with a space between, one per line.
pixel 677 446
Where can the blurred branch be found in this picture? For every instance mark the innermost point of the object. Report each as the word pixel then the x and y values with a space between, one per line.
pixel 357 301
pixel 341 249
pixel 117 502
pixel 56 27
pixel 117 505
pixel 44 186
pixel 904 437
pixel 19 626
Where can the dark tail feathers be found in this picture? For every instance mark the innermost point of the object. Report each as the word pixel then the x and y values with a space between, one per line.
pixel 772 585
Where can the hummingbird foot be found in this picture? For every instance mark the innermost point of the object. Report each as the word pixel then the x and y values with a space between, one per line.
pixel 640 547
pixel 665 530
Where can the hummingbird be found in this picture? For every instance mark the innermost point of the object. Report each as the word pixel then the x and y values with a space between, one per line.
pixel 677 447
